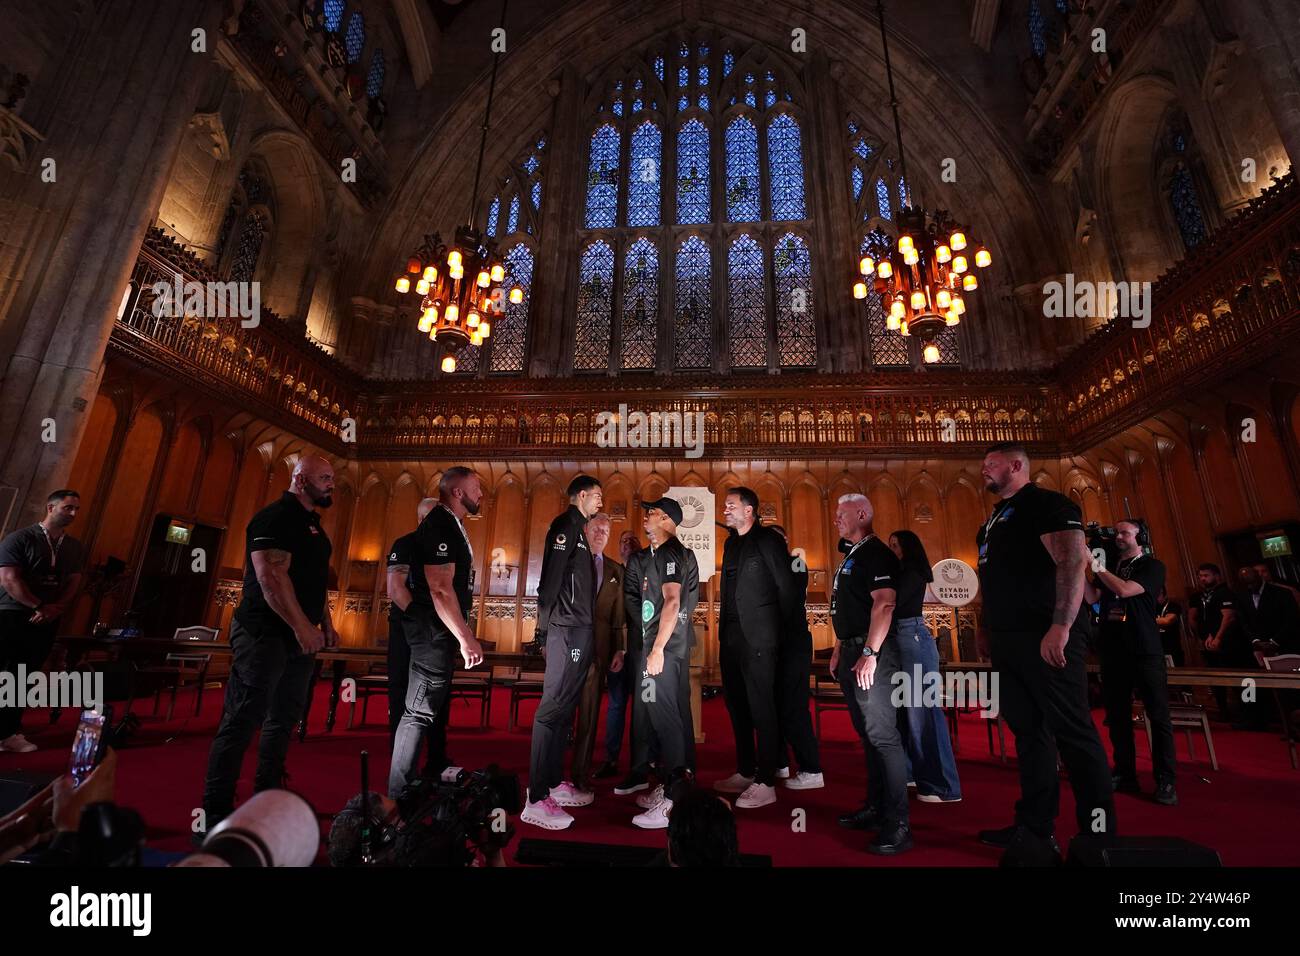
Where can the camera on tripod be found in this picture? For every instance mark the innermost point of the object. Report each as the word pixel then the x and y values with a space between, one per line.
pixel 440 821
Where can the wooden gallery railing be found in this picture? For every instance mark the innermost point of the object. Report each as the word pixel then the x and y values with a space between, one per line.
pixel 1226 307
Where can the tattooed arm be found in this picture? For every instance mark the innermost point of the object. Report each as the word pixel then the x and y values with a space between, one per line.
pixel 1066 549
pixel 272 569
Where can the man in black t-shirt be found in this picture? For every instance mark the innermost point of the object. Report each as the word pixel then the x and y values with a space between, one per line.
pixel 40 572
pixel 670 589
pixel 865 661
pixel 280 624
pixel 1132 657
pixel 400 558
pixel 436 621
pixel 1216 622
pixel 566 608
pixel 1031 568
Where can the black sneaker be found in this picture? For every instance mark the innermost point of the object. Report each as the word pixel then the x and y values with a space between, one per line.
pixel 1125 784
pixel 631 784
pixel 1167 795
pixel 998 838
pixel 607 769
pixel 864 818
pixel 1029 849
pixel 891 842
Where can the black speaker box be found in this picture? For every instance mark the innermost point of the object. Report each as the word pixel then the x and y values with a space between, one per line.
pixel 1132 851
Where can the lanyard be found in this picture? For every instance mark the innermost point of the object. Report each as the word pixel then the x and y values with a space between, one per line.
pixel 463 533
pixel 847 558
pixel 993 518
pixel 54 548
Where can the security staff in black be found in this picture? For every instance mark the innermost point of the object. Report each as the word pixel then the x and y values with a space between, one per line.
pixel 644 747
pixel 793 671
pixel 670 588
pixel 281 622
pixel 400 558
pixel 1132 657
pixel 441 583
pixel 865 661
pixel 1031 559
pixel 566 605
pixel 758 604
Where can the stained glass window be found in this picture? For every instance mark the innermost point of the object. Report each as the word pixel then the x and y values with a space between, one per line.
pixel 334 15
pixel 887 348
pixel 602 178
pixel 693 173
pixel 595 307
pixel 1037 29
pixel 703 74
pixel 785 168
pixel 796 333
pixel 682 103
pixel 1187 207
pixel 693 333
pixel 537 195
pixel 742 171
pixel 659 68
pixel 510 330
pixel 904 197
pixel 643 186
pixel 640 305
pixel 355 41
pixel 747 306
pixel 512 222
pixel 882 200
pixel 857 183
pixel 375 81
pixel 949 350
pixel 244 264
pixel 863 149
pixel 494 214
pixel 728 63
pixel 683 76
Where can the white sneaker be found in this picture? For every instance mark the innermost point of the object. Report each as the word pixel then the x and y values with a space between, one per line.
pixel 736 783
pixel 17 744
pixel 567 795
pixel 783 773
pixel 806 781
pixel 756 795
pixel 911 784
pixel 935 798
pixel 656 818
pixel 546 814
pixel 648 801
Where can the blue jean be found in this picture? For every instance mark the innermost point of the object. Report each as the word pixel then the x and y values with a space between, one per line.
pixel 930 760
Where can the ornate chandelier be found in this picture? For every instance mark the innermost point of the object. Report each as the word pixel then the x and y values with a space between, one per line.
pixel 921 280
pixel 460 284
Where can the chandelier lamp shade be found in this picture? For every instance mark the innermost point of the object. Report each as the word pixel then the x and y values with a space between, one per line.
pixel 923 280
pixel 462 284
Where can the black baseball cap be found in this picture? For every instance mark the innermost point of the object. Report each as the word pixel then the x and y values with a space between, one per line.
pixel 669 507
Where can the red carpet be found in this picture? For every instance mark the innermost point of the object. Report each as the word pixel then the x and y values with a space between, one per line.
pixel 1246 810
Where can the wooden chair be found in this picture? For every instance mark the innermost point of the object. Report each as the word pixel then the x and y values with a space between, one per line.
pixel 477 685
pixel 177 671
pixel 373 681
pixel 524 685
pixel 825 690
pixel 1187 715
pixel 196 633
pixel 999 721
pixel 1285 663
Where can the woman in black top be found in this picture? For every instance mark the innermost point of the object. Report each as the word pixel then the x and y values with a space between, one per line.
pixel 924 728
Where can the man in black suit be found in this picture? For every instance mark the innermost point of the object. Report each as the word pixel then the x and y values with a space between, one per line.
pixel 1269 612
pixel 793 670
pixel 759 598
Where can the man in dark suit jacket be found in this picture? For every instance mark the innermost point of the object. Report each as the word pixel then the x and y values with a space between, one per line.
pixel 1269 611
pixel 759 598
pixel 610 646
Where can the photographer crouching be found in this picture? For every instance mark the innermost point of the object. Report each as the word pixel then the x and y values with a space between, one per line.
pixel 1132 657
pixel 458 819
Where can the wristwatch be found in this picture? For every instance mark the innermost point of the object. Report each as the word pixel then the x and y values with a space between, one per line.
pixel 867 651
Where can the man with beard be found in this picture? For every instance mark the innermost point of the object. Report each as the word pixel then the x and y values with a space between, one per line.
pixel 280 624
pixel 566 605
pixel 441 582
pixel 40 571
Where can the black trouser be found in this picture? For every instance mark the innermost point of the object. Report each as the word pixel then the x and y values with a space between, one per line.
pixel 1236 655
pixel 793 670
pixel 876 721
pixel 644 745
pixel 399 675
pixel 669 714
pixel 428 694
pixel 1122 672
pixel 749 687
pixel 1047 710
pixel 568 656
pixel 25 643
pixel 268 687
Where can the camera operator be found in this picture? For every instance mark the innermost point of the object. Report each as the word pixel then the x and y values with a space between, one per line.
pixel 1132 657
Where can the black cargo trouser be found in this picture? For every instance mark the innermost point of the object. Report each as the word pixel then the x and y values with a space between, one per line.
pixel 433 664
pixel 399 676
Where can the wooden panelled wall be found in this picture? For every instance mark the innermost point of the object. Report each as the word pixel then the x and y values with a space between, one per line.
pixel 1187 471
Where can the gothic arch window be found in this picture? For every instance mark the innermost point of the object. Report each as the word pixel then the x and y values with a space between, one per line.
pixel 516 206
pixel 508 340
pixel 888 349
pixel 355 39
pixel 375 79
pixel 1180 185
pixel 595 307
pixel 722 124
pixel 246 225
pixel 334 15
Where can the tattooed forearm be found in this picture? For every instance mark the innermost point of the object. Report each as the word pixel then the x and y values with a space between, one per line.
pixel 1064 547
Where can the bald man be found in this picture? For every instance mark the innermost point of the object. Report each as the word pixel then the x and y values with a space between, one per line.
pixel 280 624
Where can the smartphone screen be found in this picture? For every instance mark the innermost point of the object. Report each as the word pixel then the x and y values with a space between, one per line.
pixel 87 745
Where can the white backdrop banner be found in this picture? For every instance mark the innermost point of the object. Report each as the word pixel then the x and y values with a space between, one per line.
pixel 697 530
